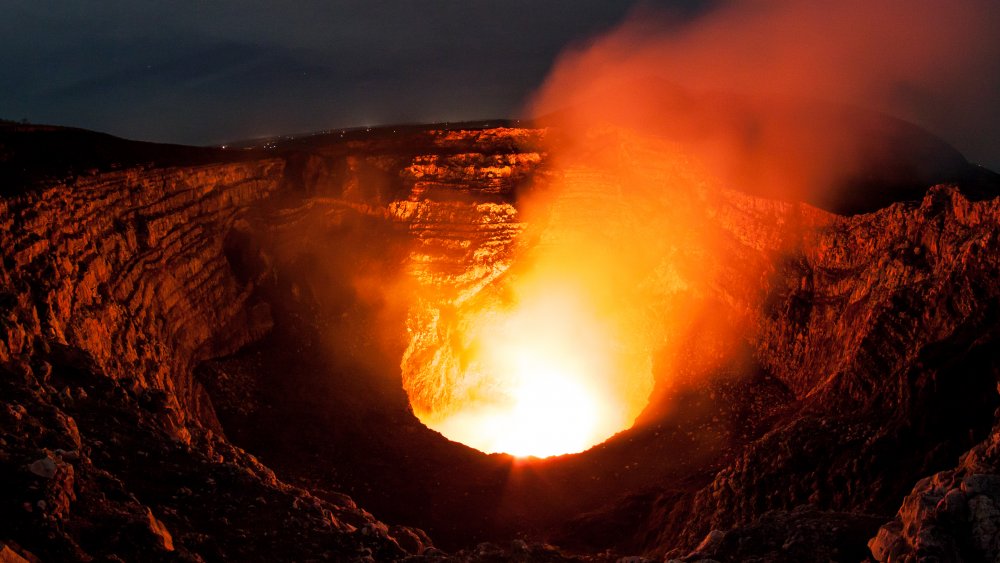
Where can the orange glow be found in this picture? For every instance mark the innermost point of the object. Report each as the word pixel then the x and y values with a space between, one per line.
pixel 543 345
pixel 763 92
pixel 546 376
pixel 630 242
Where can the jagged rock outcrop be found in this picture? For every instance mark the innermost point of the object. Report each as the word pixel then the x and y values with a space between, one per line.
pixel 92 471
pixel 883 328
pixel 951 515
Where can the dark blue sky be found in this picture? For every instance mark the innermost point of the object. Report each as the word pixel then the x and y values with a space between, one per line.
pixel 211 71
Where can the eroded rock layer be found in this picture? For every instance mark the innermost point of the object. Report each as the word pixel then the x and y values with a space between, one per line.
pixel 883 325
pixel 114 287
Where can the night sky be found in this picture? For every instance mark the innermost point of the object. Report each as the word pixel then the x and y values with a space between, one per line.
pixel 209 72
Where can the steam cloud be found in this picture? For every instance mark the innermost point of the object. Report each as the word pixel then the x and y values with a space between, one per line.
pixel 764 91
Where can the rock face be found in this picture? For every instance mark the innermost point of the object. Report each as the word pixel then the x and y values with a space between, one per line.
pixel 881 325
pixel 158 318
pixel 113 288
pixel 127 269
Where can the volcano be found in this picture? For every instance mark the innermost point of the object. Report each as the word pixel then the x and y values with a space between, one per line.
pixel 450 343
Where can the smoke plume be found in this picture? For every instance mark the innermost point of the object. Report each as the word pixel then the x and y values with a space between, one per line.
pixel 783 97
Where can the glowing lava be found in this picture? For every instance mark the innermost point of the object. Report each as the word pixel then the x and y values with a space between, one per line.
pixel 535 335
pixel 541 379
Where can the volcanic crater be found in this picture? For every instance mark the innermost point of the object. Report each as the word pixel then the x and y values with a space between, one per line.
pixel 240 353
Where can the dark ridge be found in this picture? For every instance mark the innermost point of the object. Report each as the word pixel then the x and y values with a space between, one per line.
pixel 383 135
pixel 896 161
pixel 31 155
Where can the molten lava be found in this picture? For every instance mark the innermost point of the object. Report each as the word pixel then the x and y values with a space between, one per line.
pixel 550 365
pixel 544 376
pixel 539 341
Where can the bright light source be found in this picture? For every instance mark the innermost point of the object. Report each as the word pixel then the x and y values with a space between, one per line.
pixel 544 378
